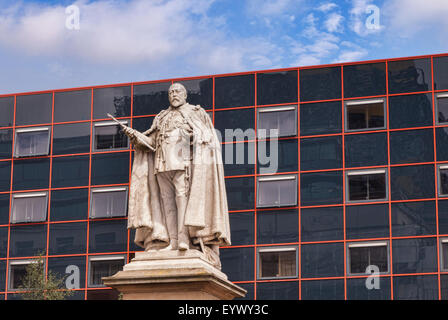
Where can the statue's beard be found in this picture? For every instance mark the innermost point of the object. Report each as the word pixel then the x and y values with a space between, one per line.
pixel 176 103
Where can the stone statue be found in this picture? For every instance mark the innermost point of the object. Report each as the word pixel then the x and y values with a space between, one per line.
pixel 177 198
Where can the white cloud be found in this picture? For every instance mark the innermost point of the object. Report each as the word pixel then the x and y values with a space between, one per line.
pixel 359 16
pixel 270 8
pixel 325 7
pixel 307 60
pixel 334 23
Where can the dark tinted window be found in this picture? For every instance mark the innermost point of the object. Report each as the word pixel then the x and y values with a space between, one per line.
pixel 68 238
pixel 116 101
pixel 442 109
pixel 277 226
pixel 7 111
pixel 4 208
pixel 70 172
pixel 441 73
pixel 238 263
pixel 414 255
pixel 71 138
pixel 412 146
pixel 363 187
pixel 110 168
pixel 72 105
pixel 443 183
pixel 320 118
pixel 365 80
pixel 321 188
pixel 321 224
pixel 321 153
pixel 109 137
pixel 413 218
pixel 5 143
pixel 442 143
pixel 322 260
pixel 363 150
pixel 69 204
pixel 416 288
pixel 409 75
pixel 5 175
pixel 240 193
pixel 59 267
pixel 108 236
pixel 283 119
pixel 285 290
pixel 357 290
pixel 365 115
pixel 200 92
pixel 277 87
pixel 242 228
pixel 2 276
pixel 320 84
pixel 249 287
pixel 31 174
pixel 238 158
pixel 412 182
pixel 280 158
pixel 142 124
pixel 27 241
pixel 410 111
pixel 362 257
pixel 34 109
pixel 443 216
pixel 150 98
pixel 370 221
pixel 323 290
pixel 235 91
pixel 3 242
pixel 235 119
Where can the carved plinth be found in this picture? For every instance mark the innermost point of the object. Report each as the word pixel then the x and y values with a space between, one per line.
pixel 172 275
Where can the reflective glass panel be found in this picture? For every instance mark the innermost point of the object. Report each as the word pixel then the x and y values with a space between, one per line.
pixel 409 111
pixel 69 204
pixel 235 125
pixel 72 105
pixel 367 221
pixel 34 109
pixel 70 172
pixel 277 156
pixel 200 92
pixel 240 193
pixel 68 238
pixel 109 137
pixel 108 236
pixel 442 110
pixel 235 91
pixel 284 290
pixel 323 290
pixel 320 84
pixel 441 143
pixel 440 73
pixel 414 218
pixel 70 267
pixel 367 187
pixel 412 182
pixel 238 158
pixel 416 288
pixel 357 290
pixel 321 224
pixel 5 175
pixel 238 263
pixel 409 75
pixel 5 143
pixel 322 260
pixel 116 101
pixel 7 111
pixel 362 257
pixel 365 116
pixel 412 146
pixel 31 174
pixel 110 168
pixel 150 98
pixel 277 87
pixel 320 118
pixel 242 228
pixel 321 188
pixel 321 153
pixel 414 255
pixel 280 226
pixel 28 241
pixel 362 80
pixel 363 150
pixel 71 138
pixel 4 208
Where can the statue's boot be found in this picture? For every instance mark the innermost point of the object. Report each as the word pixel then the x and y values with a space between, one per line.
pixel 182 229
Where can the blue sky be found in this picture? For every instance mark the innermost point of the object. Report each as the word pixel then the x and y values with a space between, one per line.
pixel 136 40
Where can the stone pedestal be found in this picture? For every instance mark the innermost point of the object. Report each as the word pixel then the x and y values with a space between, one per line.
pixel 172 275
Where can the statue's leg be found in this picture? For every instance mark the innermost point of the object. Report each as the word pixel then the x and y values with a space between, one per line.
pixel 181 203
pixel 167 192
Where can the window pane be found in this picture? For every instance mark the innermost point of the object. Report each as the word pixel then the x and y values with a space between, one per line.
pixel 444 250
pixel 441 143
pixel 410 111
pixel 7 111
pixel 412 146
pixel 320 84
pixel 357 290
pixel 322 260
pixel 5 175
pixel 321 188
pixel 365 80
pixel 278 264
pixel 238 263
pixel 277 193
pixel 414 255
pixel 412 182
pixel 323 290
pixel 69 204
pixel 364 150
pixel 31 174
pixel 284 290
pixel 99 269
pixel 109 137
pixel 142 124
pixel 34 109
pixel 2 275
pixel 280 158
pixel 367 221
pixel 366 116
pixel 277 87
pixel 59 267
pixel 29 209
pixel 235 91
pixel 321 224
pixel 443 181
pixel 362 257
pixel 239 123
pixel 150 98
pixel 116 101
pixel 70 172
pixel 443 216
pixel 442 110
pixel 27 241
pixel 108 236
pixel 440 73
pixel 416 288
pixel 242 228
pixel 72 105
pixel 17 272
pixel 409 75
pixel 5 143
pixel 240 193
pixel 33 143
pixel 238 158
pixel 282 121
pixel 3 242
pixel 4 208
pixel 109 204
pixel 68 238
pixel 414 218
pixel 277 226
pixel 321 153
pixel 110 168
pixel 320 118
pixel 71 138
pixel 200 92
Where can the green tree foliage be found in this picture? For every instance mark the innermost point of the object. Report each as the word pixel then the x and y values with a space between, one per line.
pixel 37 287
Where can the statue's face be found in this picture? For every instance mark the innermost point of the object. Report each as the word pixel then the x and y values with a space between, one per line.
pixel 177 95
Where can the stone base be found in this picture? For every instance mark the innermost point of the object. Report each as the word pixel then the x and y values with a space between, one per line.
pixel 172 275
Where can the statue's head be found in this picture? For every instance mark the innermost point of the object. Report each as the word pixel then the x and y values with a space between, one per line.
pixel 177 94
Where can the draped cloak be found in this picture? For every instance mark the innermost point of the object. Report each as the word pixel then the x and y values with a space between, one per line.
pixel 207 212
